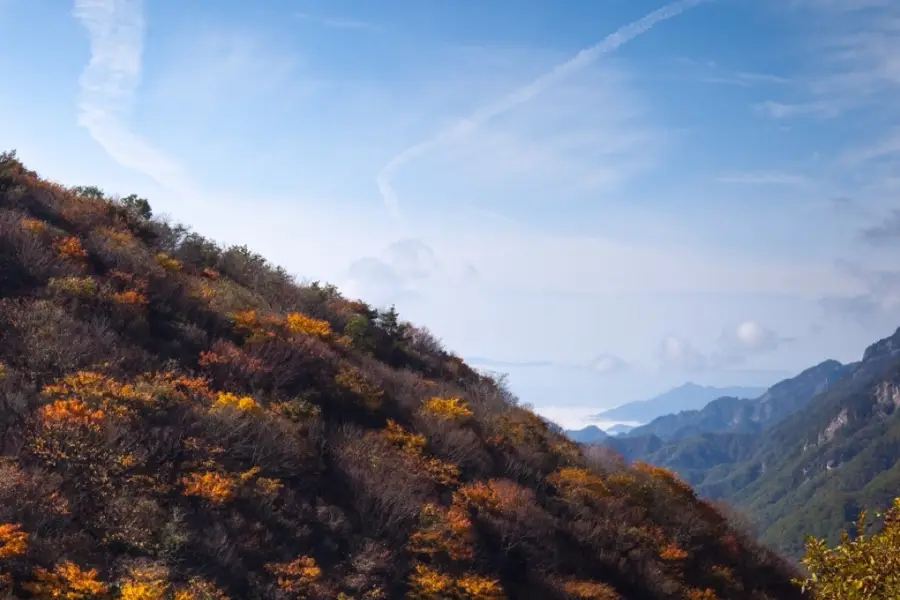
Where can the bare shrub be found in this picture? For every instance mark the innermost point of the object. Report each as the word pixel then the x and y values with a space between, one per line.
pixel 383 490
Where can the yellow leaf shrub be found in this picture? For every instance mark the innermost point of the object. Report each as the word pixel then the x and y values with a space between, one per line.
pixel 80 287
pixel 233 401
pixel 864 568
pixel 426 583
pixel 589 590
pixel 144 583
pixel 369 395
pixel 299 323
pixel 446 408
pixel 478 587
pixel 578 482
pixel 199 589
pixel 172 265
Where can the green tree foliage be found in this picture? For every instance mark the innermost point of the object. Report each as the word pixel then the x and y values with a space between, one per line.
pixel 89 191
pixel 137 205
pixel 866 567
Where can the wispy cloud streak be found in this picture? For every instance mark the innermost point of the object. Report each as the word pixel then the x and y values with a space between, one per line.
pixel 581 60
pixel 340 23
pixel 108 83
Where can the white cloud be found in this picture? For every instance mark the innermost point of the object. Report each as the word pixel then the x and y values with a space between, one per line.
pixel 399 274
pixel 466 126
pixel 856 56
pixel 608 364
pixel 211 69
pixel 734 347
pixel 767 178
pixel 340 23
pixel 675 352
pixel 742 342
pixel 887 146
pixel 876 304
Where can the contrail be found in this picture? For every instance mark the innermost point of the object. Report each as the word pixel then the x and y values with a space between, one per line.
pixel 479 117
pixel 115 29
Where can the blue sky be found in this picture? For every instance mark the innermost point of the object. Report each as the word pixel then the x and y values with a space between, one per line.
pixel 602 199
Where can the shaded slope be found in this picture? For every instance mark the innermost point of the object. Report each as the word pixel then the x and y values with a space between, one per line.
pixel 179 417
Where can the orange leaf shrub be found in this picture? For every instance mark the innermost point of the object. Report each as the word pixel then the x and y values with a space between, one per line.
pixel 411 446
pixel 70 247
pixel 672 552
pixel 589 590
pixel 13 541
pixel 120 236
pixel 443 530
pixel 67 580
pixel 34 225
pixel 129 298
pixel 148 390
pixel 296 576
pixel 70 412
pixel 210 485
pixel 698 594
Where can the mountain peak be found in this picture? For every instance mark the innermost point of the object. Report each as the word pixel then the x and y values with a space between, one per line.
pixel 884 348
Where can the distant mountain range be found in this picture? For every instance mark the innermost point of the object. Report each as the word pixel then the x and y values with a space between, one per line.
pixel 589 435
pixel 593 434
pixel 744 415
pixel 803 458
pixel 689 396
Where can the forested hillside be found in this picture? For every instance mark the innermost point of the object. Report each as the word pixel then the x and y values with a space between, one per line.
pixel 832 448
pixel 180 420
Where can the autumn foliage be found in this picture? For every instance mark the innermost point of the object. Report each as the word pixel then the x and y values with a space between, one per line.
pixel 184 421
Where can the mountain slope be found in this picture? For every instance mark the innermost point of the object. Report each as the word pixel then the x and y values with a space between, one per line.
pixel 689 396
pixel 741 415
pixel 814 470
pixel 181 419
